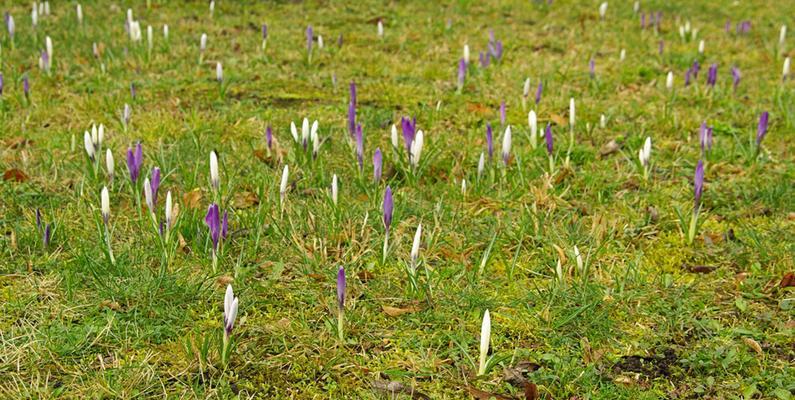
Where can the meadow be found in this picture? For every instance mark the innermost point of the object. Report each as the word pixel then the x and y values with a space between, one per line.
pixel 392 200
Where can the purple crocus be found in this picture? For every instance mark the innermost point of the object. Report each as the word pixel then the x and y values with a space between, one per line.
pixel 269 137
pixel 26 86
pixel 134 161
pixel 264 31
pixel 409 128
pixel 485 59
pixel 705 137
pixel 495 49
pixel 154 184
pixel 378 163
pixel 47 235
pixel 352 118
pixel 539 91
pixel 388 206
pixel 696 68
pixel 38 219
pixel 643 20
pixel 761 129
pixel 490 140
pixel 548 138
pixel 359 146
pixel 698 184
pixel 735 77
pixel 660 47
pixel 353 93
pixel 341 286
pixel 1 83
pixel 712 75
pixel 592 68
pixel 462 73
pixel 688 73
pixel 132 90
pixel 213 222
pixel 309 36
pixel 728 26
pixel 225 225
pixel 502 113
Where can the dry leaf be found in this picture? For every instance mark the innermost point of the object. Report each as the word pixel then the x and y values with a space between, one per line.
pixel 609 148
pixel 15 174
pixel 18 142
pixel 193 198
pixel 788 280
pixel 531 391
pixel 224 280
pixel 558 120
pixel 245 200
pixel 395 388
pixel 754 345
pixel 483 395
pixel 700 269
pixel 395 311
pixel 110 304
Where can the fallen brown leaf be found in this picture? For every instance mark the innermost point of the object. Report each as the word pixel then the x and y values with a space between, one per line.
pixel 193 198
pixel 396 311
pixel 788 280
pixel 559 120
pixel 609 148
pixel 15 174
pixel 700 269
pixel 245 200
pixel 754 345
pixel 483 395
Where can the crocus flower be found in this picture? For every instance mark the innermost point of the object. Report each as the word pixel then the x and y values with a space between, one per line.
pixel 701 46
pixel 592 67
pixel 225 225
pixel 219 72
pixel 462 73
pixel 269 137
pixel 489 140
pixel 698 184
pixel 148 196
pixel 481 164
pixel 155 184
pixel 38 219
pixel 735 77
pixel 264 31
pixel 378 162
pixel 352 118
pixel 135 160
pixel 696 68
pixel 283 185
pixel 415 246
pixel 761 129
pixel 687 76
pixel 359 146
pixel 341 286
pixel 539 90
pixel 230 310
pixel 408 127
pixel 502 113
pixel 165 32
pixel 782 34
pixel 47 235
pixel 132 90
pixel 215 180
pixel 388 205
pixel 712 75
pixel 334 189
pixel 105 204
pixel 784 71
pixel 353 93
pixel 416 149
pixel 169 211
pixel 26 86
pixel 213 222
pixel 466 54
pixel 526 88
pixel 309 35
pixel 532 121
pixel 669 80
pixel 485 339
pixel 602 10
pixel 644 156
pixel 89 146
pixel 315 138
pixel 485 60
pixel 380 28
pixel 203 42
pixel 661 47
pixel 705 137
pixel 394 137
pixel 79 11
pixel 2 83
pixel 548 138
pixel 10 25
pixel 643 20
pixel 572 115
pixel 506 145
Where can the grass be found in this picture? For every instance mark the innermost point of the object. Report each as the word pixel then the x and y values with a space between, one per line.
pixel 648 317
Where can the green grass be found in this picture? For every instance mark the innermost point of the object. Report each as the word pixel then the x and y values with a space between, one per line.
pixel 637 324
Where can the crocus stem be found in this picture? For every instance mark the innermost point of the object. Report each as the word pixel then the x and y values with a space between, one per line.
pixel 225 350
pixel 386 246
pixel 645 173
pixel 551 165
pixel 215 260
pixel 691 234
pixel 340 324
pixel 110 249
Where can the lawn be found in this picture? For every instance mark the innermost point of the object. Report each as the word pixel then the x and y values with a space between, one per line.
pixel 567 260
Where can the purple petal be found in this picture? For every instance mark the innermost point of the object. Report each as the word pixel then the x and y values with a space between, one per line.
pixel 378 162
pixel 341 286
pixel 388 206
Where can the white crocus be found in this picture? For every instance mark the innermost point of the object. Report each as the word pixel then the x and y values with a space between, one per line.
pixel 219 72
pixel 416 148
pixel 786 69
pixel 602 121
pixel 636 7
pixel 485 339
pixel 394 137
pixel 334 189
pixel 89 145
pixel 578 258
pixel 532 121
pixel 150 37
pixel 669 80
pixel 294 131
pixel 48 47
pixel 315 138
pixel 165 32
pixel 283 184
pixel 782 34
pixel 203 42
pixel 380 28
pixel 169 210
pixel 481 164
pixel 94 136
pixel 701 46
pixel 79 10
pixel 572 119
pixel 415 246
pixel 212 8
pixel 644 156
pixel 622 55
pixel 466 54
pixel 148 196
pixel 463 186
pixel 602 10
pixel 506 145
pixel 215 180
pixel 526 88
pixel 105 204
pixel 319 42
pixel 110 164
pixel 305 132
